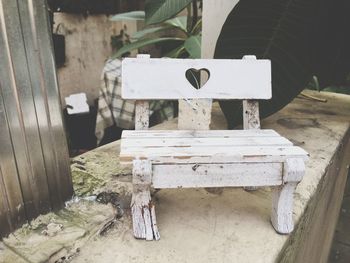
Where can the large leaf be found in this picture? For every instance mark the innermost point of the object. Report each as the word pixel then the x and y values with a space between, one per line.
pixel 284 31
pixel 142 43
pixel 160 10
pixel 179 22
pixel 175 53
pixel 193 46
pixel 147 31
pixel 134 15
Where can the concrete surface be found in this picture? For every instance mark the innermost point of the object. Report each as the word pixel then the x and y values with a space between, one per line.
pixel 208 226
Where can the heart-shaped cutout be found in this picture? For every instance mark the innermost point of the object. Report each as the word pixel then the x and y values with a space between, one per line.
pixel 197 77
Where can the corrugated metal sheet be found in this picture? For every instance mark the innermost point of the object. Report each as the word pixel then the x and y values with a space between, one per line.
pixel 34 164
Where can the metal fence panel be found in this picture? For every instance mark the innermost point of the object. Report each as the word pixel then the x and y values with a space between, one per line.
pixel 34 163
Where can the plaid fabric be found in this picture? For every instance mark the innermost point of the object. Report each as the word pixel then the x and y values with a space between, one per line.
pixel 113 109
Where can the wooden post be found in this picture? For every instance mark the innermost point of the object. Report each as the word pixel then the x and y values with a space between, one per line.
pixel 142 115
pixel 142 208
pixel 142 107
pixel 251 118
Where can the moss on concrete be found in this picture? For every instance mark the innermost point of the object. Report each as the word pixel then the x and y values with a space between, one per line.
pixel 85 183
pixel 94 170
pixel 52 236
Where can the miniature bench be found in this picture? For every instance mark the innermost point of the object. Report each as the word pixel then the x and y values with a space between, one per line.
pixel 199 157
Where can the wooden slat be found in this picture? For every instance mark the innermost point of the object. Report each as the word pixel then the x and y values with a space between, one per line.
pixel 217 175
pixel 197 133
pixel 215 154
pixel 165 79
pixel 141 143
pixel 209 151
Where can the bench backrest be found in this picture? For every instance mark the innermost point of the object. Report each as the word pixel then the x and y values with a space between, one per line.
pixel 247 79
pixel 152 78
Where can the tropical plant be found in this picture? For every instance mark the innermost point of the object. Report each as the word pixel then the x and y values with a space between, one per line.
pixel 302 38
pixel 163 26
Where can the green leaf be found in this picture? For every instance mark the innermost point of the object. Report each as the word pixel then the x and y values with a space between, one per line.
pixel 338 89
pixel 147 31
pixel 134 15
pixel 197 28
pixel 193 46
pixel 175 53
pixel 142 43
pixel 158 11
pixel 179 22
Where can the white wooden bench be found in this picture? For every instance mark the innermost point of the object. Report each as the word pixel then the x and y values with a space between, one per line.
pixel 195 156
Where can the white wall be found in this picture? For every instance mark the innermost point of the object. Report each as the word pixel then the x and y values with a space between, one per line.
pixel 215 13
pixel 87 48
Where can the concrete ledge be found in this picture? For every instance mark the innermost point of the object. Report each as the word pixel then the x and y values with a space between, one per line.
pixel 232 225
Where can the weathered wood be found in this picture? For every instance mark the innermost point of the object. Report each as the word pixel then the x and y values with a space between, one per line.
pixel 194 114
pixel 141 115
pixel 142 208
pixel 282 202
pixel 251 119
pixel 282 208
pixel 165 79
pixel 227 154
pixel 127 160
pixel 294 170
pixel 217 175
pixel 198 133
pixel 142 107
pixel 203 142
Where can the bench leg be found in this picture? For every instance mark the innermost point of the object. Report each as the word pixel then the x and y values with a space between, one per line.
pixel 282 208
pixel 142 208
pixel 282 201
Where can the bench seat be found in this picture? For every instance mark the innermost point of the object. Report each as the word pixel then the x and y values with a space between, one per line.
pixel 210 146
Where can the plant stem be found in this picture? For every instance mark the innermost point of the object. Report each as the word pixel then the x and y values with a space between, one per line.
pixel 189 21
pixel 195 13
